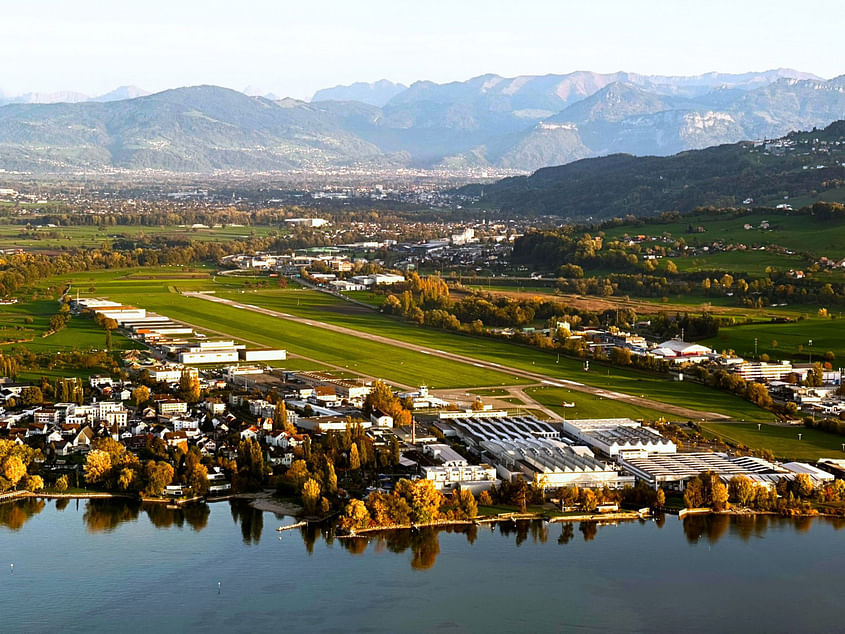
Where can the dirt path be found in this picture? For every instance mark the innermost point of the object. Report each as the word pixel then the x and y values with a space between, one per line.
pixel 682 412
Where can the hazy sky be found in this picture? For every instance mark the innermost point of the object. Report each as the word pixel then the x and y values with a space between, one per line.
pixel 292 49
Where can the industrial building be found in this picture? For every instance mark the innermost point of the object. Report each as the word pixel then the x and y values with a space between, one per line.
pixel 269 354
pixel 618 436
pixel 344 388
pixel 552 463
pixel 477 429
pixel 673 471
pixel 217 351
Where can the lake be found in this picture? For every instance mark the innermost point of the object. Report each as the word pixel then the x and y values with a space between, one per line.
pixel 111 565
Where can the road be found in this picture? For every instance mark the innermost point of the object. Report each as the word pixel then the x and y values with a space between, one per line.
pixel 681 412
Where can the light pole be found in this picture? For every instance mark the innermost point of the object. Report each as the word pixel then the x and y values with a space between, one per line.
pixel 811 351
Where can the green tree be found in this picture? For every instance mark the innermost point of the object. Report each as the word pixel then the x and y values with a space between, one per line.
pixel 31 395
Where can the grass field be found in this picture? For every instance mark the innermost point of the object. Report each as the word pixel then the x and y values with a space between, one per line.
pixel 12 235
pixel 782 441
pixel 782 341
pixel 80 333
pixel 331 310
pixel 153 290
pixel 799 233
pixel 589 405
pixel 749 263
pixel 374 359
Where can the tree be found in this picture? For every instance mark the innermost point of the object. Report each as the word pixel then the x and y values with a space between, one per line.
pixel 33 483
pixel 196 473
pixel 189 386
pixel 354 459
pixel 484 499
pixel 280 415
pixel 250 463
pixel 126 479
pixel 97 466
pixel 141 394
pixel 298 473
pixel 355 516
pixel 719 495
pixel 61 484
pixel 588 500
pixel 740 489
pixel 660 499
pixel 31 395
pixel 330 479
pixel 159 475
pixel 311 495
pixel 14 469
pixel 423 499
pixel 803 485
pixel 694 493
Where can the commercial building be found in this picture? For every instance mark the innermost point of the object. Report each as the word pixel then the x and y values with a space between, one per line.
pixel 762 371
pixel 454 471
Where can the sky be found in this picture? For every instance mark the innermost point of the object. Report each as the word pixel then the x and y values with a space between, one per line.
pixel 294 48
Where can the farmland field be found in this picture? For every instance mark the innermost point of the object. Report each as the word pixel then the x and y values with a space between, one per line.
pixel 782 341
pixel 799 233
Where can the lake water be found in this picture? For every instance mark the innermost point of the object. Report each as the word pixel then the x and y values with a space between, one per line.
pixel 112 566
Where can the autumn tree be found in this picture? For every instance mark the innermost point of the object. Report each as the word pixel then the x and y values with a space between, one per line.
pixel 158 476
pixel 297 474
pixel 355 516
pixel 14 469
pixel 141 394
pixel 97 466
pixel 740 490
pixel 189 386
pixel 310 495
pixel 354 458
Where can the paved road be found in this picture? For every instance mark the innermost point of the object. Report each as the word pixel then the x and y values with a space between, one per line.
pixel 545 379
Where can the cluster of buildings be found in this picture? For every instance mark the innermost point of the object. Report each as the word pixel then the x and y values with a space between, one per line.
pixel 173 339
pixel 591 453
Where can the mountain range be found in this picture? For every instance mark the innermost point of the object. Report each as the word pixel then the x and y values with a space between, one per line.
pixel 520 123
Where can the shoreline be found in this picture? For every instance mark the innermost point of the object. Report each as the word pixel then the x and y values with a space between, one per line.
pixel 499 519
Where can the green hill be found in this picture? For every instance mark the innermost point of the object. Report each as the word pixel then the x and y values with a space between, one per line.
pixel 803 165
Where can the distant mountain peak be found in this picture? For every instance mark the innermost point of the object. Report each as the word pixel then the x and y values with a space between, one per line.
pixel 376 93
pixel 122 92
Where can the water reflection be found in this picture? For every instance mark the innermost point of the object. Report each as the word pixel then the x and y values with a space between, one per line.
pixel 14 515
pixel 423 545
pixel 250 519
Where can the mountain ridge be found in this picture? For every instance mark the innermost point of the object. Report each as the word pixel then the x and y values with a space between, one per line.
pixel 521 123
